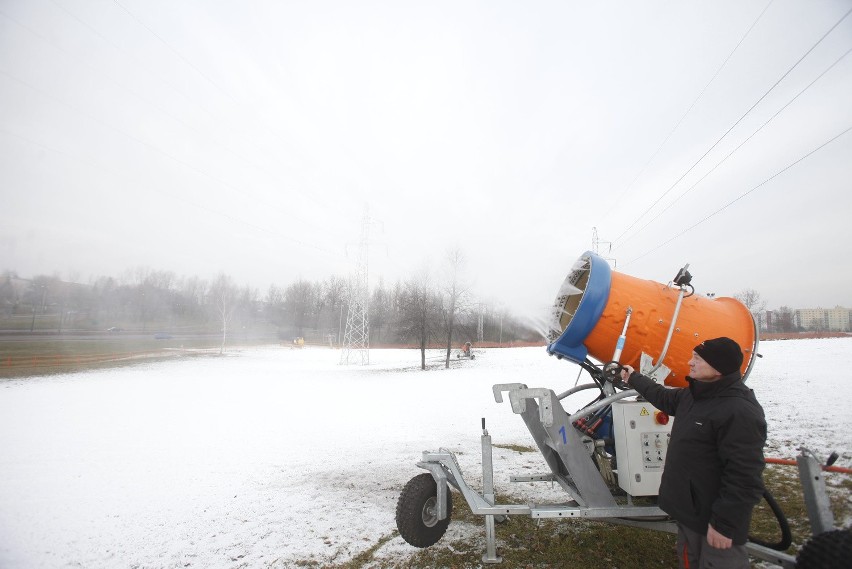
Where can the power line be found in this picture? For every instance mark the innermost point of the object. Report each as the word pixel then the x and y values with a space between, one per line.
pixel 733 126
pixel 732 202
pixel 665 209
pixel 174 51
pixel 694 102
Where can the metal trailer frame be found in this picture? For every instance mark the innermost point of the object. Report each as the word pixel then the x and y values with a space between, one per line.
pixel 571 466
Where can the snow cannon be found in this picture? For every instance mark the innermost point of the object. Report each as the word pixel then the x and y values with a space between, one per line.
pixel 614 447
pixel 613 317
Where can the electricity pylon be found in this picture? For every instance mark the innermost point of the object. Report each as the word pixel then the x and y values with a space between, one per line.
pixel 356 339
pixel 596 246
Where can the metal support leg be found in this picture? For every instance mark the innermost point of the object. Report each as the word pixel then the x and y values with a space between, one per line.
pixel 813 489
pixel 490 542
pixel 488 493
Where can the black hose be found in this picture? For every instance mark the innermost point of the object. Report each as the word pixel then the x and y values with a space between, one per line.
pixel 595 373
pixel 786 536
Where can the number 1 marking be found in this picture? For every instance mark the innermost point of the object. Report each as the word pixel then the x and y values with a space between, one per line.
pixel 564 435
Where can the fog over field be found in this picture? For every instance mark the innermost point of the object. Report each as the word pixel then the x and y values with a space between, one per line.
pixel 266 139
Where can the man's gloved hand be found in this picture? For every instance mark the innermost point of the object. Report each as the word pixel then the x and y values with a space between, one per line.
pixel 625 375
pixel 613 372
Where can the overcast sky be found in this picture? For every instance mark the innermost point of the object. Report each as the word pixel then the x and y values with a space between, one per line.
pixel 250 137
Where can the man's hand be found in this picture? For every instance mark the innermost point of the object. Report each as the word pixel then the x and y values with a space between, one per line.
pixel 716 539
pixel 625 374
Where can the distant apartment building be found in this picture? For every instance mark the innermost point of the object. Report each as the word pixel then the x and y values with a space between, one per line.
pixel 837 319
pixel 823 319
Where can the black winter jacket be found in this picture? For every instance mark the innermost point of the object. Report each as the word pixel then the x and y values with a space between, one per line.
pixel 714 464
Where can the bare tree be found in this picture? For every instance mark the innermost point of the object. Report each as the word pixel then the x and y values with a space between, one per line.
pixel 274 305
pixel 784 321
pixel 301 301
pixel 223 297
pixel 751 300
pixel 381 316
pixel 152 291
pixel 419 307
pixel 246 309
pixel 334 291
pixel 454 296
pixel 192 292
pixel 9 297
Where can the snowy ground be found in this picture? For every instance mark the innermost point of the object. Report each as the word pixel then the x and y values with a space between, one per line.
pixel 274 455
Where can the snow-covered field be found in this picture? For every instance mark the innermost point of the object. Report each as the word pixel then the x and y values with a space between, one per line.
pixel 273 455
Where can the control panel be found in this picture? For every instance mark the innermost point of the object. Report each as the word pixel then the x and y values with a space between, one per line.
pixel 642 435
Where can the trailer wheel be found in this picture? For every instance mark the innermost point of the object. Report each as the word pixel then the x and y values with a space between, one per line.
pixel 828 549
pixel 417 512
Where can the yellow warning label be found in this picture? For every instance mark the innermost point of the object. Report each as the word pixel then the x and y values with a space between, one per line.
pixel 644 412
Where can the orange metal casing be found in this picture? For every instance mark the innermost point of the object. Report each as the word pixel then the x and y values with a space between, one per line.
pixel 700 318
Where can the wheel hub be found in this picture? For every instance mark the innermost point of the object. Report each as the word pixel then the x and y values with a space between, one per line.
pixel 430 512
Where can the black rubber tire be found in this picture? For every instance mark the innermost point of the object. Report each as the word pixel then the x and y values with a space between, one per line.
pixel 828 549
pixel 416 519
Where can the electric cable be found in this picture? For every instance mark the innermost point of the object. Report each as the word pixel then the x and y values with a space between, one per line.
pixel 825 35
pixel 174 51
pixel 689 110
pixel 723 160
pixel 732 202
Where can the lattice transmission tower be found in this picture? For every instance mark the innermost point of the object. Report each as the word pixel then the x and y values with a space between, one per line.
pixel 356 339
pixel 596 247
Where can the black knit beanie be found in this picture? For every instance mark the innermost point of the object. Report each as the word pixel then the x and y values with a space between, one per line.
pixel 723 354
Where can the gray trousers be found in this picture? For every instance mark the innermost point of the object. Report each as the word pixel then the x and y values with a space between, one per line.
pixel 693 552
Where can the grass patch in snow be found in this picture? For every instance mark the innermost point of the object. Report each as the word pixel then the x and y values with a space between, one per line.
pixel 517 448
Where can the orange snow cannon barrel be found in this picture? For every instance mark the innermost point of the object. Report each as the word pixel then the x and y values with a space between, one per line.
pixel 595 302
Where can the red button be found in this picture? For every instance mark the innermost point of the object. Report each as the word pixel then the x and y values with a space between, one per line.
pixel 661 418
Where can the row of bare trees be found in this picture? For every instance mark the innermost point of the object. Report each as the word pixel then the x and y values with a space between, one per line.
pixel 424 310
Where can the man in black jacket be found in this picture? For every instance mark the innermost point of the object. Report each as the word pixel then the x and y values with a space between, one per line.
pixel 713 475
